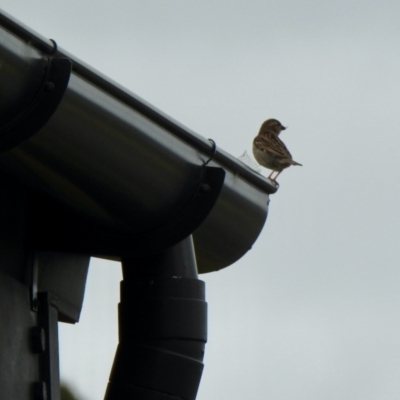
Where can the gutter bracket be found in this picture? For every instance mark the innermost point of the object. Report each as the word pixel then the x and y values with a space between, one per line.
pixel 34 117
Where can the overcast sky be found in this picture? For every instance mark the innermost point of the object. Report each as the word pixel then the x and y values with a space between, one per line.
pixel 313 311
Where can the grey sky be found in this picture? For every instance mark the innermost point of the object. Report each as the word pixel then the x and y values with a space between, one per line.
pixel 312 312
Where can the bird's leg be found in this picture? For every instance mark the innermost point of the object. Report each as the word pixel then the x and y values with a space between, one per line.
pixel 274 179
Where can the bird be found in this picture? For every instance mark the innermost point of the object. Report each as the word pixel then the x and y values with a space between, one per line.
pixel 269 151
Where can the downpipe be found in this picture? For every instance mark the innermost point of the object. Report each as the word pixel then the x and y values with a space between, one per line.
pixel 162 327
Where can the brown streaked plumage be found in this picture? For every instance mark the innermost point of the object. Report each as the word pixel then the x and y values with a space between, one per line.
pixel 270 151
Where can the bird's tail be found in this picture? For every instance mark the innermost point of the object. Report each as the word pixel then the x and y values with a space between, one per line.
pixel 296 163
pixel 292 162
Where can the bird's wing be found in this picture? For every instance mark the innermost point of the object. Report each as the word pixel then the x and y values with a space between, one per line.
pixel 273 145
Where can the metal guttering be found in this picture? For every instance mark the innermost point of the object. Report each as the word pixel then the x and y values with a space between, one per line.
pixel 131 99
pixel 232 225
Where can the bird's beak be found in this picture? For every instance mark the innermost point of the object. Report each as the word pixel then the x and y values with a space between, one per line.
pixel 284 127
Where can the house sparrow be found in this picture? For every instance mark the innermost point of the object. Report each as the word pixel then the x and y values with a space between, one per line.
pixel 269 150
